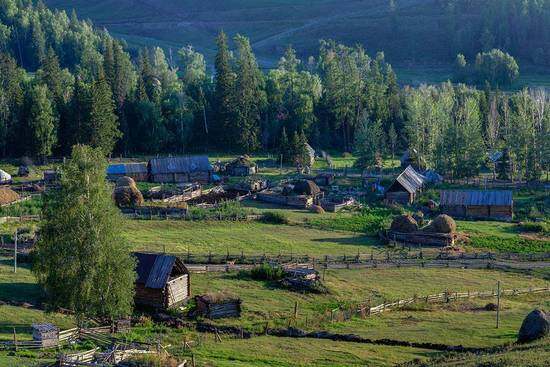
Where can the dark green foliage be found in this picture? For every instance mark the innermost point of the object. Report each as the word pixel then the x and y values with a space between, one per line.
pixel 267 272
pixel 512 244
pixel 82 262
pixel 542 228
pixel 278 217
pixel 494 67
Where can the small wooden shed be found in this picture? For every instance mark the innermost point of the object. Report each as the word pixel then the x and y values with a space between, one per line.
pixel 137 171
pixel 477 204
pixel 46 334
pixel 405 187
pixel 163 281
pixel 180 169
pixel 218 305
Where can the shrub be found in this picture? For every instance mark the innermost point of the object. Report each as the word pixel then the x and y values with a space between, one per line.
pixel 542 228
pixel 275 218
pixel 267 272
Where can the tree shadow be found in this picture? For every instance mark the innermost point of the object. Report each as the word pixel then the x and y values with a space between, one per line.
pixel 19 292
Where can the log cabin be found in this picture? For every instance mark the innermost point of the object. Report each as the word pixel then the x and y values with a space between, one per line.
pixel 163 281
pixel 180 169
pixel 405 187
pixel 477 204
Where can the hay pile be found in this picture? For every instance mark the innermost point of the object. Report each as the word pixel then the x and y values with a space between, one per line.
pixel 306 187
pixel 317 209
pixel 8 196
pixel 127 196
pixel 441 224
pixel 404 223
pixel 125 181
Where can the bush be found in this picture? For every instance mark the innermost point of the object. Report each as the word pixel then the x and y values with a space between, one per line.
pixel 542 228
pixel 267 272
pixel 275 218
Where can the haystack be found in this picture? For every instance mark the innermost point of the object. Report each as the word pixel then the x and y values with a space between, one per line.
pixel 404 224
pixel 127 196
pixel 125 181
pixel 8 196
pixel 317 209
pixel 536 325
pixel 306 187
pixel 441 224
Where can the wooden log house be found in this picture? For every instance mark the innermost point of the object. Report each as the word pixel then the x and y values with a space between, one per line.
pixel 405 188
pixel 477 204
pixel 180 169
pixel 163 281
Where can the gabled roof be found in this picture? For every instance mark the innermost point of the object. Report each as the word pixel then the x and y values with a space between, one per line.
pixel 410 180
pixel 154 270
pixel 476 197
pixel 126 168
pixel 180 164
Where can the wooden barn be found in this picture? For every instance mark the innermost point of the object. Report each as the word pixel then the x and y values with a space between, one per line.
pixel 241 166
pixel 180 169
pixel 405 187
pixel 163 281
pixel 218 306
pixel 137 171
pixel 477 204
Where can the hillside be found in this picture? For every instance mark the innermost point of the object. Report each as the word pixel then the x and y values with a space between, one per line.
pixel 408 31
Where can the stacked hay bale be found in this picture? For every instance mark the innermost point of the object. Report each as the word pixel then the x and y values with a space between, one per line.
pixel 441 224
pixel 126 193
pixel 404 224
pixel 8 196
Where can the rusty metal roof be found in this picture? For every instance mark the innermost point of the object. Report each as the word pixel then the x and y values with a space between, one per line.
pixel 411 180
pixel 187 164
pixel 476 197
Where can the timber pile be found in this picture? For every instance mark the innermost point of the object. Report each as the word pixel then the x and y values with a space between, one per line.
pixel 303 279
pixel 218 306
pixel 46 334
pixel 251 185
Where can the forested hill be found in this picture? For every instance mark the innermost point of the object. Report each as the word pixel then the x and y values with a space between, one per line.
pixel 408 31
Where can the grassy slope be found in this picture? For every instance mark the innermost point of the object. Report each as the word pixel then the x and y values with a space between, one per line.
pixel 273 24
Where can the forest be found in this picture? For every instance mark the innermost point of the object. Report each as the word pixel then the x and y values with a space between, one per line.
pixel 65 82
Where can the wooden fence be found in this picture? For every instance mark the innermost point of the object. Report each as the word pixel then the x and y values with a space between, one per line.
pixel 365 310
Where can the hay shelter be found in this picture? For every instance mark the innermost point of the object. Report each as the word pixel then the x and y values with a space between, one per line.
pixel 137 171
pixel 477 204
pixel 241 166
pixel 180 169
pixel 405 188
pixel 163 281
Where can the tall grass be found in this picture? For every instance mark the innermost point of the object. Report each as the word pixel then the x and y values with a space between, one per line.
pixel 369 221
pixel 226 210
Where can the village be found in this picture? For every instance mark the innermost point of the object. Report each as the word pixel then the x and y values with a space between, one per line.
pixel 243 256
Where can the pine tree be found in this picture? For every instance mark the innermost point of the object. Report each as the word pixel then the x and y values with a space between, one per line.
pixel 368 143
pixel 82 262
pixel 102 122
pixel 392 140
pixel 224 93
pixel 41 122
pixel 250 97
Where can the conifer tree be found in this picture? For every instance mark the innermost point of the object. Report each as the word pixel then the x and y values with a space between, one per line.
pixel 41 122
pixel 224 93
pixel 102 122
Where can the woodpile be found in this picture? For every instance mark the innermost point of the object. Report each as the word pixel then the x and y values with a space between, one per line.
pixel 46 334
pixel 303 279
pixel 218 306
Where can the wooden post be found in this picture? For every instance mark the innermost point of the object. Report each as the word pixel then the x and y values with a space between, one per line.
pixel 15 253
pixel 498 303
pixel 15 339
pixel 193 360
pixel 295 311
pixel 324 271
